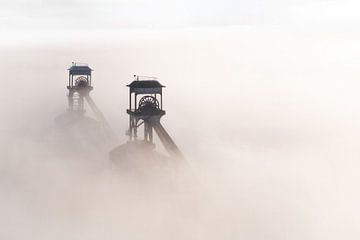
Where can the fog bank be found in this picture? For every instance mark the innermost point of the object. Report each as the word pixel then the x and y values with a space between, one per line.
pixel 266 119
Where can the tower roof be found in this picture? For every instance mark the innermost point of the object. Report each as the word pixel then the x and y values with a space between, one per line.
pixel 80 70
pixel 145 87
pixel 145 84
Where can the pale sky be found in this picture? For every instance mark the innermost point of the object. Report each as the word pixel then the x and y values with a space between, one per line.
pixel 64 15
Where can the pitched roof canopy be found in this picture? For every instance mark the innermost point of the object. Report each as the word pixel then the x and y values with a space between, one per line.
pixel 145 84
pixel 145 87
pixel 80 70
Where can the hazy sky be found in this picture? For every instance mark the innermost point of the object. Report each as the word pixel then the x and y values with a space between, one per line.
pixel 63 15
pixel 262 97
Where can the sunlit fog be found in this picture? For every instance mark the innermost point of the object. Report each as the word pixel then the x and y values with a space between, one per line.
pixel 262 103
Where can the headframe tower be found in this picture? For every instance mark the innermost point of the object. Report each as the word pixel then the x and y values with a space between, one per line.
pixel 79 87
pixel 146 109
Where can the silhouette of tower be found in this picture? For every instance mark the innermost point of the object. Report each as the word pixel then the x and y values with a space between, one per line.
pixel 145 110
pixel 79 86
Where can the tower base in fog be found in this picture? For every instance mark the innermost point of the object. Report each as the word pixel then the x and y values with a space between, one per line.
pixel 76 133
pixel 137 155
pixel 140 158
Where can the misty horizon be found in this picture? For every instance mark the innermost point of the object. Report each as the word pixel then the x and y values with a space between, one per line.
pixel 261 98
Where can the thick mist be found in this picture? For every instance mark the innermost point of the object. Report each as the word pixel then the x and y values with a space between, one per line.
pixel 267 120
